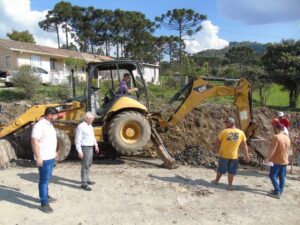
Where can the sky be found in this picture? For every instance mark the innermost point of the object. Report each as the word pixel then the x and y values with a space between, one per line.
pixel 261 21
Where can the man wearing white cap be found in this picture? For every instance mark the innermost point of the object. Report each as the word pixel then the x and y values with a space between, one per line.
pixel 284 121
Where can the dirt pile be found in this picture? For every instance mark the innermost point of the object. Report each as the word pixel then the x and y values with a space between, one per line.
pixel 199 130
pixel 10 111
pixel 198 157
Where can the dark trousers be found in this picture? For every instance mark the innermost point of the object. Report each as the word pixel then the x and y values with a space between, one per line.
pixel 45 173
pixel 86 163
pixel 278 171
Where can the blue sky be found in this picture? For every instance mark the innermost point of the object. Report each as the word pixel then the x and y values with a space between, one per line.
pixel 228 20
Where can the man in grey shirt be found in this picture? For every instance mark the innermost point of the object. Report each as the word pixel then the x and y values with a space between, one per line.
pixel 85 142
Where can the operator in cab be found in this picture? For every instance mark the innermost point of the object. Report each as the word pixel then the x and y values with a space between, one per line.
pixel 123 89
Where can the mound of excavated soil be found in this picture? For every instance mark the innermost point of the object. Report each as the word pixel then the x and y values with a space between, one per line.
pixel 198 157
pixel 199 130
pixel 10 111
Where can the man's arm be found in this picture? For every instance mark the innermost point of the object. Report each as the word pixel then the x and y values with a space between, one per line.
pixel 78 139
pixel 218 143
pixel 246 151
pixel 96 144
pixel 36 151
pixel 272 150
pixel 132 90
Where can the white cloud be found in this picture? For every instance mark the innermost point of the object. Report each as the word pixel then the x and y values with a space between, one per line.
pixel 261 11
pixel 206 38
pixel 17 15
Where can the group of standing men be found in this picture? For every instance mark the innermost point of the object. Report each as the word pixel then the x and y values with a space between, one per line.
pixel 44 145
pixel 231 138
pixel 45 149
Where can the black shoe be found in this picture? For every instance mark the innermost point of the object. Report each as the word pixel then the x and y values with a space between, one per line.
pixel 91 182
pixel 274 194
pixel 50 199
pixel 46 208
pixel 86 188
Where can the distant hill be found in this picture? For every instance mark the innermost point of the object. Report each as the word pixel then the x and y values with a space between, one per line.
pixel 257 48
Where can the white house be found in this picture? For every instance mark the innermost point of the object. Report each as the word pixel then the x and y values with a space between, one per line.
pixel 151 72
pixel 14 54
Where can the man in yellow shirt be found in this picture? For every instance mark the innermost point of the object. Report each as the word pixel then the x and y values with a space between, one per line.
pixel 228 143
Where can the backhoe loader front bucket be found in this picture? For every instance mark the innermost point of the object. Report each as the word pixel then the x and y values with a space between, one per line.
pixel 169 161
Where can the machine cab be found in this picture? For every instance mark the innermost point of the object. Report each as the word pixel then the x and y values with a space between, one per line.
pixel 106 84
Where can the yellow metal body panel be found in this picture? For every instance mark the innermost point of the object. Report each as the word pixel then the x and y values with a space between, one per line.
pixel 126 102
pixel 98 134
pixel 68 112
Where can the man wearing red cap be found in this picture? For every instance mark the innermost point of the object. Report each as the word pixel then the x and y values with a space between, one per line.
pixel 278 155
pixel 275 122
pixel 284 121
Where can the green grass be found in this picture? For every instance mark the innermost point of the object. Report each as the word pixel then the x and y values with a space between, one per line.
pixel 278 97
pixel 10 94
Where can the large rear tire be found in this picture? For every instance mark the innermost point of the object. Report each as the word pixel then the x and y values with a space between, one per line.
pixel 64 144
pixel 129 132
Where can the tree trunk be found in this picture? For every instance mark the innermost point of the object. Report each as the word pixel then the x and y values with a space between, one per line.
pixel 73 83
pixel 117 50
pixel 57 34
pixel 293 97
pixel 67 40
pixel 180 46
pixel 261 100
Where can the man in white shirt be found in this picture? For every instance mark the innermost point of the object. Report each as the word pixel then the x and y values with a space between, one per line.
pixel 44 146
pixel 85 142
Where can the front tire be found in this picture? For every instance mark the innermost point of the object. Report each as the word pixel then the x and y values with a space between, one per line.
pixel 64 144
pixel 129 132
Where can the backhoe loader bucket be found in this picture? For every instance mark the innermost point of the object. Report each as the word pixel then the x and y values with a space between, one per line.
pixel 7 153
pixel 169 161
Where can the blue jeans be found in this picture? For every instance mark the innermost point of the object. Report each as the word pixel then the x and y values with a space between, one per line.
pixel 45 173
pixel 280 172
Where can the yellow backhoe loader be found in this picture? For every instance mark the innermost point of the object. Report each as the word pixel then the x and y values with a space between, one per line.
pixel 126 122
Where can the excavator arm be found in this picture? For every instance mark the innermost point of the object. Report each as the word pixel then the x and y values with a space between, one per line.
pixel 198 91
pixel 34 113
pixel 201 89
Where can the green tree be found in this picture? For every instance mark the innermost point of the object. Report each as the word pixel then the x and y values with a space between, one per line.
pixel 242 56
pixel 83 23
pixel 24 36
pixel 139 42
pixel 74 64
pixel 185 21
pixel 282 62
pixel 63 12
pixel 26 81
pixel 51 24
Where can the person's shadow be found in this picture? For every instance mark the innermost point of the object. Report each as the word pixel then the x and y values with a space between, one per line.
pixel 14 195
pixel 34 177
pixel 204 183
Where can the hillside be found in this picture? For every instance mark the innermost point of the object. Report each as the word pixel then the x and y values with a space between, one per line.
pixel 258 48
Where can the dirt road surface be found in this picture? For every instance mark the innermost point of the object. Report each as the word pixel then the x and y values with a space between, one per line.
pixel 134 192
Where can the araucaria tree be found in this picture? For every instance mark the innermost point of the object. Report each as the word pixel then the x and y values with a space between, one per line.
pixel 185 21
pixel 282 62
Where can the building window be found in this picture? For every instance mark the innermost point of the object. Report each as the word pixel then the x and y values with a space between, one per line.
pixel 36 61
pixel 52 64
pixel 7 62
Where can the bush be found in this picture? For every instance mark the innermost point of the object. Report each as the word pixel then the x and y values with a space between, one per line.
pixel 27 82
